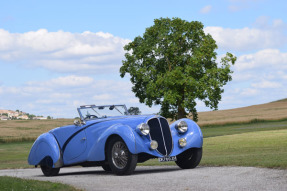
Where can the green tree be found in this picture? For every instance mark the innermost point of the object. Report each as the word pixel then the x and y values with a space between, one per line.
pixel 31 116
pixel 174 64
pixel 134 111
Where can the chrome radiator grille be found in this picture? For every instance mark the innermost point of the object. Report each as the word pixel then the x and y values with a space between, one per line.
pixel 160 131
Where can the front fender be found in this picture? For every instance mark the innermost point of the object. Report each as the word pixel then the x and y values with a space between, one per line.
pixel 193 136
pixel 97 152
pixel 46 146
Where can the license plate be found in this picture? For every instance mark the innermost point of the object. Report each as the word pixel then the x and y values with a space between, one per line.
pixel 166 159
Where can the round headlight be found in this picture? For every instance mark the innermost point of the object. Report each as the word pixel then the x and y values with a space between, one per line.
pixel 181 126
pixel 182 142
pixel 143 129
pixel 153 144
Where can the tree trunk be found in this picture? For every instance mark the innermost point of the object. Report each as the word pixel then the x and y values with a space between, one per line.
pixel 181 112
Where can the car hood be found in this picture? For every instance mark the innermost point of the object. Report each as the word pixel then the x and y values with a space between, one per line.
pixel 98 125
pixel 131 120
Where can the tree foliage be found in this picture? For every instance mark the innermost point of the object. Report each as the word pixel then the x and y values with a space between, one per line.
pixel 134 111
pixel 174 64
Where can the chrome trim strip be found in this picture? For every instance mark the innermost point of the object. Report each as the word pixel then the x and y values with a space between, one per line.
pixel 172 143
pixel 162 136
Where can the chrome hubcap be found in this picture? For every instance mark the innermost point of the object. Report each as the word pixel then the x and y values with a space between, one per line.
pixel 119 155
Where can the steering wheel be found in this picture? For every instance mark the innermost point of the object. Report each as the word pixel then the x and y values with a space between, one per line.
pixel 91 117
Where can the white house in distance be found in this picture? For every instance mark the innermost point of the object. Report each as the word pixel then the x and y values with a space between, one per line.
pixel 9 114
pixel 40 118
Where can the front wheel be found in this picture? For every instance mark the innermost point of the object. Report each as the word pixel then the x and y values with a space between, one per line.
pixel 49 171
pixel 189 158
pixel 106 167
pixel 121 160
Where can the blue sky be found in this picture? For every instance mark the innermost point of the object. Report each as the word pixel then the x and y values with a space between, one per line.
pixel 57 55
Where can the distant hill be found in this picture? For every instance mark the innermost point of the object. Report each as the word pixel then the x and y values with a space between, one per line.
pixel 268 111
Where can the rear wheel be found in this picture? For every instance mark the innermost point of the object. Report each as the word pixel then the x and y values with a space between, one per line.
pixel 189 158
pixel 121 160
pixel 49 171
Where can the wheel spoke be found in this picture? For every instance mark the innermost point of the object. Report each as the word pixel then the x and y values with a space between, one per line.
pixel 119 155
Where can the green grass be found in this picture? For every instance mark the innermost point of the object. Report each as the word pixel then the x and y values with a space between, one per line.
pixel 15 184
pixel 231 129
pixel 261 144
pixel 260 149
pixel 8 139
pixel 14 155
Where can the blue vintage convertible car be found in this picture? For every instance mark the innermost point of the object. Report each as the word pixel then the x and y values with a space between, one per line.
pixel 108 136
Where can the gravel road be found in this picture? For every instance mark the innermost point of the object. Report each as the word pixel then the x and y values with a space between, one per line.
pixel 165 178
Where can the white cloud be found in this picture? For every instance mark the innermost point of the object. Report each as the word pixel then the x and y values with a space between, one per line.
pixel 103 97
pixel 258 78
pixel 266 84
pixel 249 92
pixel 269 59
pixel 59 97
pixel 249 39
pixel 237 5
pixel 71 81
pixel 61 51
pixel 206 9
pixel 65 81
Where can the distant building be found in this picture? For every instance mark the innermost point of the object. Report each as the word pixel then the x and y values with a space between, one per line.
pixel 4 118
pixel 23 117
pixel 39 118
pixel 9 114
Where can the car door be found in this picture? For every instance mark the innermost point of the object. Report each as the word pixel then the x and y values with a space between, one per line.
pixel 76 146
pixel 73 142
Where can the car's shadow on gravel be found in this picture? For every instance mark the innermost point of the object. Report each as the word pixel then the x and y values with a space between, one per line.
pixel 138 171
pixel 155 170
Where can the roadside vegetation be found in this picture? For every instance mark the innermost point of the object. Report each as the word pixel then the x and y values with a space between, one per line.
pixel 12 183
pixel 258 140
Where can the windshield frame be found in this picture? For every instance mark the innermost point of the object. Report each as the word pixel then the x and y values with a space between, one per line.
pixel 98 106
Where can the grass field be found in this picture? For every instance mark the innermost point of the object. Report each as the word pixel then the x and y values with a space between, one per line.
pixel 12 183
pixel 14 155
pixel 260 149
pixel 28 130
pixel 262 144
pixel 269 111
pixel 244 137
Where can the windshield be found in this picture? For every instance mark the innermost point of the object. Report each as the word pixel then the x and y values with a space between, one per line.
pixel 91 111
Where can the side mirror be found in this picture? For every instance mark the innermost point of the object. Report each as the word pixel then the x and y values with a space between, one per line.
pixel 77 122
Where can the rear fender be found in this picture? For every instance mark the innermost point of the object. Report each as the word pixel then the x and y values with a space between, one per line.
pixel 46 150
